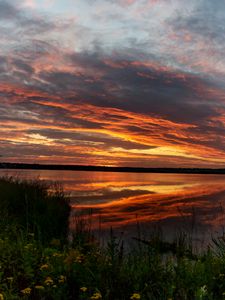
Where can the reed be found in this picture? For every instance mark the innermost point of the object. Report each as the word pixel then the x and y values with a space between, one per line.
pixel 35 206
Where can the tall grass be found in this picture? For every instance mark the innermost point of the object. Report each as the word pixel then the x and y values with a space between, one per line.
pixel 35 206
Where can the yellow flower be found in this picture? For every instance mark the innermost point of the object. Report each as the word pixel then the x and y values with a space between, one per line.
pixel 1 297
pixel 39 287
pixel 62 279
pixel 57 254
pixel 135 296
pixel 26 291
pixel 74 256
pixel 48 281
pixel 80 259
pixel 96 296
pixel 44 267
pixel 83 289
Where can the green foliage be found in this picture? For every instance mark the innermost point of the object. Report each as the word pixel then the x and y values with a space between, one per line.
pixel 35 206
pixel 40 269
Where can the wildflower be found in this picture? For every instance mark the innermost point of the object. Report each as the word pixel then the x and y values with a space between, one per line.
pixel 73 257
pixel 83 289
pixel 57 254
pixel 135 296
pixel 48 281
pixel 202 292
pixel 26 291
pixel 203 289
pixel 10 279
pixel 96 296
pixel 39 287
pixel 1 297
pixel 44 267
pixel 80 259
pixel 62 279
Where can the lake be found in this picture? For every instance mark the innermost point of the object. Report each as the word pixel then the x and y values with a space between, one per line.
pixel 131 203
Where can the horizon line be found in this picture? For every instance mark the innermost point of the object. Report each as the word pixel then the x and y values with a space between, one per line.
pixel 71 167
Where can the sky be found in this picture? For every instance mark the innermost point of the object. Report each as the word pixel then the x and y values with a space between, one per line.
pixel 114 82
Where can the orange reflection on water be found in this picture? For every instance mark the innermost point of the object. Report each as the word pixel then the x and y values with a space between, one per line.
pixel 158 198
pixel 119 200
pixel 151 207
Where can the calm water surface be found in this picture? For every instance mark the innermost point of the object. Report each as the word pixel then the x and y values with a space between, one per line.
pixel 129 201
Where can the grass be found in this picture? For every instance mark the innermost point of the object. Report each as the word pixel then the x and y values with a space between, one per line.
pixel 35 206
pixel 38 262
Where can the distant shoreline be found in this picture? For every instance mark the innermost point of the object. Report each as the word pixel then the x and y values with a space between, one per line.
pixel 24 166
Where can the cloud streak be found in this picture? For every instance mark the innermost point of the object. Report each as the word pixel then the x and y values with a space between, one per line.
pixel 81 86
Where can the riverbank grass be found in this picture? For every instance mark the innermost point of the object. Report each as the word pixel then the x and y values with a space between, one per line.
pixel 38 262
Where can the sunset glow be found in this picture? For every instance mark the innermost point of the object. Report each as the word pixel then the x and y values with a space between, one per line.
pixel 116 83
pixel 149 199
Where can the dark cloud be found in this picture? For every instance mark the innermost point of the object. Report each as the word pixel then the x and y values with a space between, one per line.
pixel 22 66
pixel 8 11
pixel 207 20
pixel 136 88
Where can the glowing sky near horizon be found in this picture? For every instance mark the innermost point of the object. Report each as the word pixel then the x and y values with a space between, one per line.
pixel 113 82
